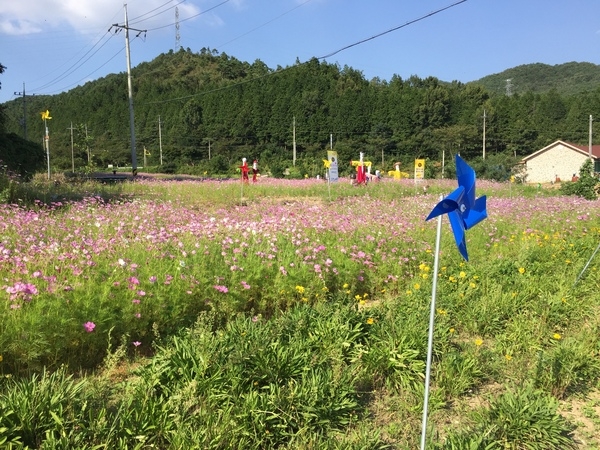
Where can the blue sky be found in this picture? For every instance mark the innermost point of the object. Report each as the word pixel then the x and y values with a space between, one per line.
pixel 54 45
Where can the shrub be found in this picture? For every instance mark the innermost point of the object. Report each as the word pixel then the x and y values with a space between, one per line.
pixel 585 186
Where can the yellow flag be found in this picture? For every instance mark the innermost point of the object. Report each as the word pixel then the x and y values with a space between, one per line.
pixel 46 115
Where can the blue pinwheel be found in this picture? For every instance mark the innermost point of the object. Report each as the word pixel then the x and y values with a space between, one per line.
pixel 463 210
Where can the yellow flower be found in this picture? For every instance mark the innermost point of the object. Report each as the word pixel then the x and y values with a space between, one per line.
pixel 507 357
pixel 452 330
pixel 345 286
pixel 521 270
pixel 557 336
pixel 442 312
pixel 357 297
pixel 365 295
pixel 304 299
pixel 370 321
pixel 471 284
pixel 478 342
pixel 324 289
pixel 452 279
pixel 417 286
pixel 383 291
pixel 462 274
pixel 300 289
pixel 409 292
pixel 362 302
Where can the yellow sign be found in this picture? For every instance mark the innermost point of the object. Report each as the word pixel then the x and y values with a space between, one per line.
pixel 419 169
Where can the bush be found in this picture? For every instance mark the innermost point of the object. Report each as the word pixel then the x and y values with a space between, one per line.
pixel 585 186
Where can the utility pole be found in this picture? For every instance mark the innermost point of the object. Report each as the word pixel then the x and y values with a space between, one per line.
pixel 72 152
pixel 130 89
pixel 24 111
pixel 87 146
pixel 590 144
pixel 294 145
pixel 484 117
pixel 160 140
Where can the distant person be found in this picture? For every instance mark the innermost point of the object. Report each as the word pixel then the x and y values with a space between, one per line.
pixel 254 170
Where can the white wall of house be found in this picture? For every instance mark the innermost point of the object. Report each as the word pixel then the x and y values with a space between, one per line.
pixel 556 161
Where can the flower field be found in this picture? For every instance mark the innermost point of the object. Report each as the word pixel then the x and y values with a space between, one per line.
pixel 233 300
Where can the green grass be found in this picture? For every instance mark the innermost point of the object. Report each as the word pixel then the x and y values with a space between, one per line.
pixel 295 354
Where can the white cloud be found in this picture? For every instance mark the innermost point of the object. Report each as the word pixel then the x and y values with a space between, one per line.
pixel 20 17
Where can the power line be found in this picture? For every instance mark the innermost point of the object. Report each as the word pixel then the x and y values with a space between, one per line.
pixel 192 17
pixel 322 57
pixel 392 29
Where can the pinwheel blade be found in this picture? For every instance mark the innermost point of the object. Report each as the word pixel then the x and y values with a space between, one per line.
pixel 458 229
pixel 466 178
pixel 476 214
pixel 450 203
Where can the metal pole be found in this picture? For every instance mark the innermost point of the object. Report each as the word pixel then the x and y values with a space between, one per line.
pixel 47 139
pixel 431 325
pixel 130 92
pixel 294 148
pixel 484 133
pixel 160 140
pixel 72 151
pixel 591 145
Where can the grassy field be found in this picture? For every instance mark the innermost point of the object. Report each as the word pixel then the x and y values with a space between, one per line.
pixel 294 314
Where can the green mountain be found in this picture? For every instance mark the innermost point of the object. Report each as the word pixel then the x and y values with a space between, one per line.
pixel 567 79
pixel 204 111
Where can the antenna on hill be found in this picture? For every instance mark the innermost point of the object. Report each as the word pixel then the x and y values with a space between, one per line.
pixel 177 43
pixel 509 87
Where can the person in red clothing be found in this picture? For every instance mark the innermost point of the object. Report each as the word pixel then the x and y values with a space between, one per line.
pixel 245 170
pixel 254 170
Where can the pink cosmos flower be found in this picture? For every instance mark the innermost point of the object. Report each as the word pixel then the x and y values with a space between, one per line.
pixel 221 288
pixel 89 326
pixel 136 343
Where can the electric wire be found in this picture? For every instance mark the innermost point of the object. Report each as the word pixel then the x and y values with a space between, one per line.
pixel 392 29
pixel 322 57
pixel 191 17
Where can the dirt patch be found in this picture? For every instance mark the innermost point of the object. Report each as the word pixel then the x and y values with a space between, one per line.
pixel 584 413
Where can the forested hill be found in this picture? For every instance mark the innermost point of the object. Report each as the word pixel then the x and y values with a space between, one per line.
pixel 567 79
pixel 207 110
